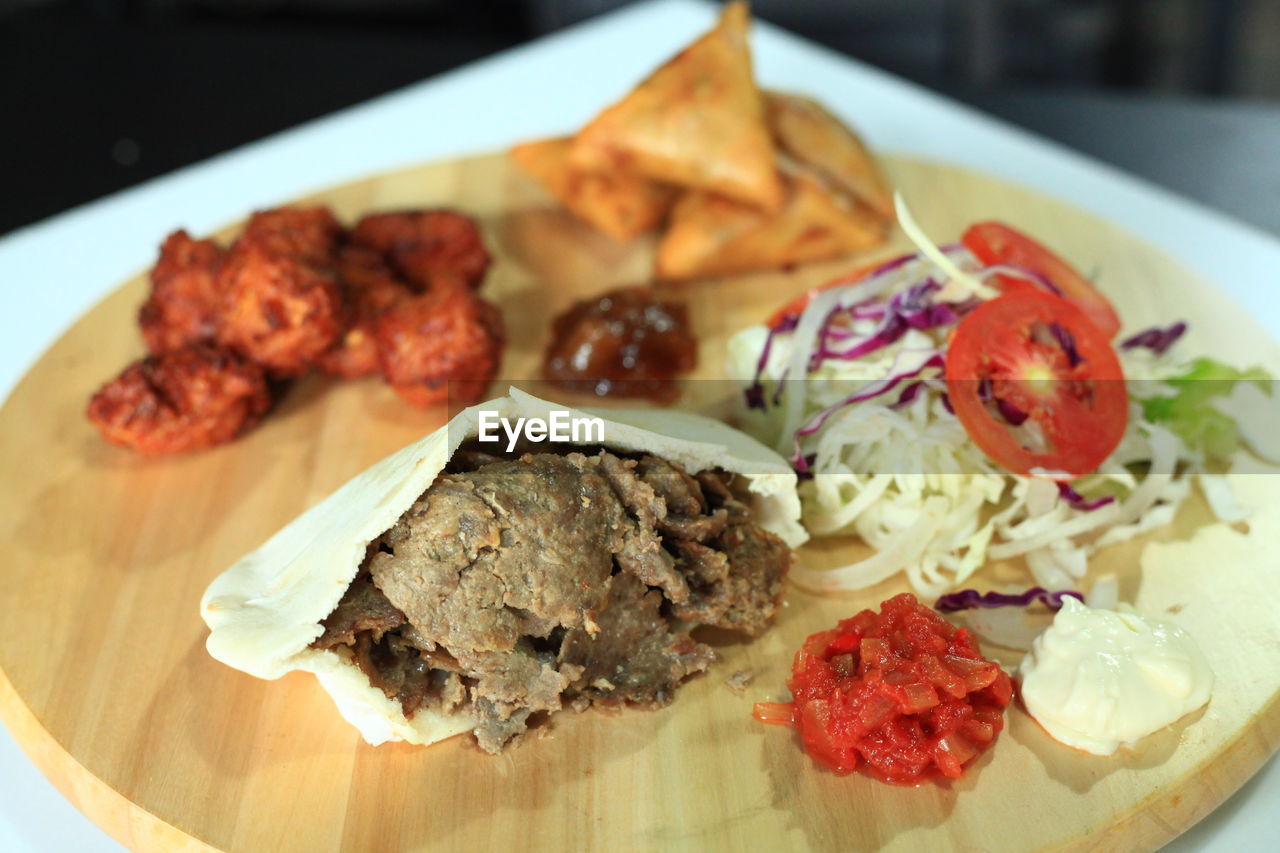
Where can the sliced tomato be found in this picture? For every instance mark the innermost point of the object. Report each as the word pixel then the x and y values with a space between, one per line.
pixel 996 243
pixel 796 307
pixel 1037 385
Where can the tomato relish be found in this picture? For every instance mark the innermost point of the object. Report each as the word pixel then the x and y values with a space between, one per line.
pixel 902 691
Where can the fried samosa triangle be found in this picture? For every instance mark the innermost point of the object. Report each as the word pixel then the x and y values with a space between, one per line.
pixel 454 588
pixel 809 133
pixel 622 204
pixel 711 235
pixel 697 122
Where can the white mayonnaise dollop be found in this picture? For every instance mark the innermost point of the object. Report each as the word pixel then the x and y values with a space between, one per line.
pixel 1097 679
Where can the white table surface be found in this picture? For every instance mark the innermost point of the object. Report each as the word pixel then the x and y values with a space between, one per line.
pixel 50 273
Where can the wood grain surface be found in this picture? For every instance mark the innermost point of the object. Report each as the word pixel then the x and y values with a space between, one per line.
pixel 105 681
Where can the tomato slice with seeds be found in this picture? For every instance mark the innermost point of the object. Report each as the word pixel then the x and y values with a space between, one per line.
pixel 996 243
pixel 1037 385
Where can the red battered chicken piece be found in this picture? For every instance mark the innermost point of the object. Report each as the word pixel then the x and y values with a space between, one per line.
pixel 187 399
pixel 278 310
pixel 370 288
pixel 361 268
pixel 309 234
pixel 424 245
pixel 183 306
pixel 447 339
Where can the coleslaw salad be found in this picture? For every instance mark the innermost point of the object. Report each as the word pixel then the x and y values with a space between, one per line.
pixel 852 387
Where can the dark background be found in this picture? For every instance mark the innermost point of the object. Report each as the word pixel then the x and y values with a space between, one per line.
pixel 98 95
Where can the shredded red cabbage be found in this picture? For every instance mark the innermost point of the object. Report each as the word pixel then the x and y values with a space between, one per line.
pixel 908 395
pixel 754 392
pixel 806 472
pixel 865 311
pixel 902 260
pixel 891 265
pixel 1020 272
pixel 912 308
pixel 1067 341
pixel 1156 339
pixel 1011 413
pixel 967 599
pixel 867 392
pixel 1079 501
pixel 909 309
pixel 856 278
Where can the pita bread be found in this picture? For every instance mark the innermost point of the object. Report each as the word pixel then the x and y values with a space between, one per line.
pixel 697 122
pixel 711 235
pixel 619 203
pixel 264 612
pixel 808 132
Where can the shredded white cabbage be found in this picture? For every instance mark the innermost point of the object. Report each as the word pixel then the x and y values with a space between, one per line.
pixel 1255 413
pixel 930 250
pixel 1105 593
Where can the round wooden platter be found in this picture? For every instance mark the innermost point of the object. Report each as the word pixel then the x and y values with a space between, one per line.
pixel 106 683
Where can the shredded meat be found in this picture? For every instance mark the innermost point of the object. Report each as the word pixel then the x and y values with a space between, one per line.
pixel 362 609
pixel 514 587
pixel 687 516
pixel 404 673
pixel 736 587
pixel 512 686
pixel 680 492
pixel 482 549
pixel 642 552
pixel 636 658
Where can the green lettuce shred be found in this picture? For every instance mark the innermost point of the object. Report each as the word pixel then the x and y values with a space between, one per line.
pixel 1189 412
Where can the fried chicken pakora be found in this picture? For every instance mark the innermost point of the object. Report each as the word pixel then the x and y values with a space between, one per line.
pixel 447 339
pixel 309 234
pixel 369 288
pixel 277 309
pixel 423 245
pixel 293 292
pixel 186 399
pixel 183 305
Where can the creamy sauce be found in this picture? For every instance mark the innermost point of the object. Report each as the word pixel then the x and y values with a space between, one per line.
pixel 1099 679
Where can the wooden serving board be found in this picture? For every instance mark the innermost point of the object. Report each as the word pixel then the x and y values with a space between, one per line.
pixel 105 681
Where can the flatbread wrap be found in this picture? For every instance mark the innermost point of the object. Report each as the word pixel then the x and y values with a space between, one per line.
pixel 464 586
